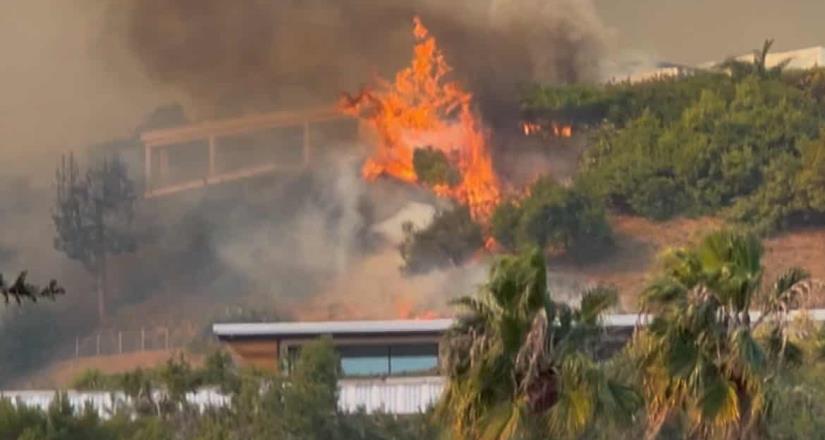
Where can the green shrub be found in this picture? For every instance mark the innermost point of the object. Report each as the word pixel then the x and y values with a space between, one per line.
pixel 449 240
pixel 569 219
pixel 740 145
pixel 433 168
pixel 95 380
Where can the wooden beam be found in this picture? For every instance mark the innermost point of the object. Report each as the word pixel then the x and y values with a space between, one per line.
pixel 225 127
pixel 217 179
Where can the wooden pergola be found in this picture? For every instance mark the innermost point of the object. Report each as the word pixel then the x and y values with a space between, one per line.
pixel 158 144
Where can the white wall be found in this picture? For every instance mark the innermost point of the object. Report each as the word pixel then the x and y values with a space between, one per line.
pixel 397 395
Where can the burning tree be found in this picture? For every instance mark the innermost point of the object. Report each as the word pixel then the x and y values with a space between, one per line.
pixel 433 168
pixel 93 217
pixel 423 107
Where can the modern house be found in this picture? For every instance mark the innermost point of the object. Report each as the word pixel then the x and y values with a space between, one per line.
pixel 366 348
pixel 391 366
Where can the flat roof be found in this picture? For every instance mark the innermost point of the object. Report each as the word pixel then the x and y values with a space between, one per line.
pixel 387 327
pixel 409 326
pixel 402 326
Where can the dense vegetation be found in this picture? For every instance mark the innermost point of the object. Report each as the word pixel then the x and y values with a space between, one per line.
pixel 746 143
pixel 567 219
pixel 264 407
pixel 520 365
pixel 520 362
pixel 523 366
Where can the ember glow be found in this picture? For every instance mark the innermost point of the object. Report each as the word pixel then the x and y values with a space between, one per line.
pixel 422 108
pixel 549 129
pixel 405 309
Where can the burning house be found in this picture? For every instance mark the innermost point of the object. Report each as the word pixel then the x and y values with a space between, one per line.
pixel 193 156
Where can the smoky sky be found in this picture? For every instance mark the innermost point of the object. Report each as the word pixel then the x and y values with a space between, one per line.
pixel 71 75
pixel 248 55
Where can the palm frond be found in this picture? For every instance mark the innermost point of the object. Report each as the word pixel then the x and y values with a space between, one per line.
pixel 616 402
pixel 576 405
pixel 719 404
pixel 502 422
pixel 662 292
pixel 789 279
pixel 681 355
pixel 595 302
pixel 749 354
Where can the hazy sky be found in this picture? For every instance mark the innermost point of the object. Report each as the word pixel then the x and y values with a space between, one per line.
pixel 56 92
pixel 693 31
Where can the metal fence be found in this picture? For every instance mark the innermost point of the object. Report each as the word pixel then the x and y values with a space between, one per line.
pixel 112 341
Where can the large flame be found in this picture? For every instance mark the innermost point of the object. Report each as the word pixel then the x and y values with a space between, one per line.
pixel 422 108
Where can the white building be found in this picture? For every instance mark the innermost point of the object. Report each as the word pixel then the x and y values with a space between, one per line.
pixel 797 59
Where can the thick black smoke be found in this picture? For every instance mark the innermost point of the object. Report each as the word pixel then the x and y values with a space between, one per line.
pixel 248 55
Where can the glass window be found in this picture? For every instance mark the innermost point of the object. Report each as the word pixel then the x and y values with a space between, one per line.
pixel 413 358
pixel 365 360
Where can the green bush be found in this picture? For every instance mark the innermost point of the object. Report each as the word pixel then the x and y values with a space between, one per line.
pixel 264 406
pixel 568 219
pixel 95 380
pixel 433 167
pixel 449 240
pixel 740 145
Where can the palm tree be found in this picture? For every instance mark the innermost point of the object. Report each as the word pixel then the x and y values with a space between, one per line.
pixel 702 363
pixel 518 363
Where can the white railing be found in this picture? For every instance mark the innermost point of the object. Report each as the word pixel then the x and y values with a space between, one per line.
pixel 105 403
pixel 397 395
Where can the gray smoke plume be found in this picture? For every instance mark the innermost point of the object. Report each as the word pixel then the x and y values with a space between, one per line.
pixel 248 55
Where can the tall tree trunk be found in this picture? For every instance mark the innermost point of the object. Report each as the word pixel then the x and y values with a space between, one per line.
pixel 101 291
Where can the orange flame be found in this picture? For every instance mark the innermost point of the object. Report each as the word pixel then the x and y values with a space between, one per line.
pixel 404 309
pixel 553 128
pixel 423 108
pixel 530 128
pixel 563 131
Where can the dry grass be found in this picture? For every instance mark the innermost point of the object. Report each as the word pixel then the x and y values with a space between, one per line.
pixel 61 374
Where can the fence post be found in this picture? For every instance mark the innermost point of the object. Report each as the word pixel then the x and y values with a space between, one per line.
pixel 142 339
pixel 76 347
pixel 120 341
pixel 166 337
pixel 98 344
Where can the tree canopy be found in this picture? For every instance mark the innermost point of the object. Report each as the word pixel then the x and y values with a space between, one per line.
pixel 743 142
pixel 93 216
